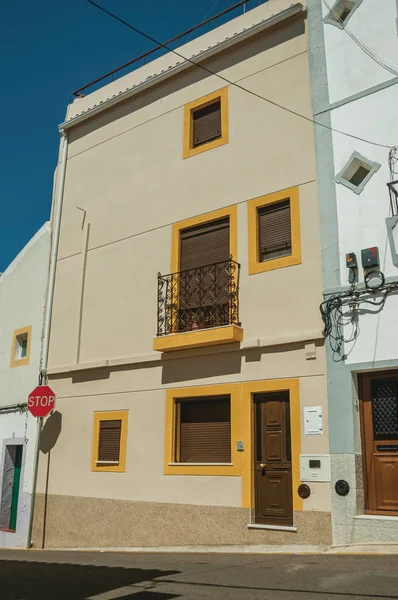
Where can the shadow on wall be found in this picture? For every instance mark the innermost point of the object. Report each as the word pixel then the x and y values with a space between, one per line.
pixel 200 367
pixel 259 43
pixel 51 432
pixel 32 580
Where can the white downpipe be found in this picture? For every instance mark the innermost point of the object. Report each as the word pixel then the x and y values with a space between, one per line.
pixel 47 318
pixel 53 257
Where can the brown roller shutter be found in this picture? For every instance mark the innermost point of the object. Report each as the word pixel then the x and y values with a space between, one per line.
pixel 206 124
pixel 109 441
pixel 274 230
pixel 205 430
pixel 204 244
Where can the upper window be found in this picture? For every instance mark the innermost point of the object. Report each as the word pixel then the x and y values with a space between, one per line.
pixel 109 441
pixel 341 12
pixel 20 351
pixel 203 430
pixel 357 172
pixel 206 123
pixel 274 231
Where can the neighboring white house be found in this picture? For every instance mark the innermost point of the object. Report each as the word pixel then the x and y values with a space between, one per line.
pixel 354 76
pixel 23 289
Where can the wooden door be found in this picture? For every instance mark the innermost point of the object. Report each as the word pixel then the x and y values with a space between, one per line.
pixel 379 417
pixel 272 460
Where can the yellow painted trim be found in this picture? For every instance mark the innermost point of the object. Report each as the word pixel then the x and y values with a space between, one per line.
pixel 242 428
pixel 110 416
pixel 188 149
pixel 22 361
pixel 229 211
pixel 234 469
pixel 198 338
pixel 257 266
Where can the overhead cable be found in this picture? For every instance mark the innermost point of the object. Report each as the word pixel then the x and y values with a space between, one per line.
pixel 236 85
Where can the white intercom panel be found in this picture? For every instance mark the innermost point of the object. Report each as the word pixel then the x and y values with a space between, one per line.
pixel 315 467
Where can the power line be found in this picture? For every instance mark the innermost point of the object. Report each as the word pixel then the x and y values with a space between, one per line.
pixel 229 82
pixel 382 63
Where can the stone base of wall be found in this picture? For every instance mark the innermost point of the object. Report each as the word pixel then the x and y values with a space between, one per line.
pixel 75 522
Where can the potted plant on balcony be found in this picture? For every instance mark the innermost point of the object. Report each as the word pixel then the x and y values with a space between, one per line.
pixel 198 321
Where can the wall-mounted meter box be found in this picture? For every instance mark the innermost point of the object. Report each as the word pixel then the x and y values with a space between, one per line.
pixel 370 257
pixel 315 467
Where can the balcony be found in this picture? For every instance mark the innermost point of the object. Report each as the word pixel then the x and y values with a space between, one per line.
pixel 199 307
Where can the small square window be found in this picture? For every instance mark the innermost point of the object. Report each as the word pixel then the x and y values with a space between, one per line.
pixel 203 430
pixel 341 12
pixel 274 231
pixel 20 351
pixel 206 123
pixel 357 172
pixel 109 441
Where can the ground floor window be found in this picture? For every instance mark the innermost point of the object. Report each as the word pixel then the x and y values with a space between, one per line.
pixel 203 430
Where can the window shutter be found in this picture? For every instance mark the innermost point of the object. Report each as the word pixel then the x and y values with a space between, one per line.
pixel 204 244
pixel 205 430
pixel 274 230
pixel 109 441
pixel 206 124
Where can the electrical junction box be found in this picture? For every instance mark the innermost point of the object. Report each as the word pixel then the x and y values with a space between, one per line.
pixel 351 260
pixel 370 257
pixel 315 467
pixel 313 422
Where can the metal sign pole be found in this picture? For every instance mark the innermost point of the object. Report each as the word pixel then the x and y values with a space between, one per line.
pixel 36 468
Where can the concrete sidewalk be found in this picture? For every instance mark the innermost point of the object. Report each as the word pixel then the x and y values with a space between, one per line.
pixel 366 549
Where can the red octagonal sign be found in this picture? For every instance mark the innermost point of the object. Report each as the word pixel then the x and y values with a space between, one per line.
pixel 41 401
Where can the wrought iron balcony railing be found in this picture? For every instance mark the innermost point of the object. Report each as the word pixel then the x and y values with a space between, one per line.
pixel 199 298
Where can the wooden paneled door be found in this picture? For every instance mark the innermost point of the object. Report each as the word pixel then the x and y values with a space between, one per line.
pixel 272 459
pixel 379 420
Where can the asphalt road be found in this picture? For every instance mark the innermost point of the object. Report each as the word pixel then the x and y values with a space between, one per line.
pixel 46 575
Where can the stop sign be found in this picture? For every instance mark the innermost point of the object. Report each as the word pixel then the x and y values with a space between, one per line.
pixel 41 401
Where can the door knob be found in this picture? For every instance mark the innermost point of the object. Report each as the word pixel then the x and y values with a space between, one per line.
pixel 261 466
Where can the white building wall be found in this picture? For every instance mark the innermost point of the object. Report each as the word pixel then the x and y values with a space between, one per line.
pixel 23 289
pixel 370 115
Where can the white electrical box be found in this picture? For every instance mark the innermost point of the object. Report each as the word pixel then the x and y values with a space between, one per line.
pixel 313 422
pixel 315 467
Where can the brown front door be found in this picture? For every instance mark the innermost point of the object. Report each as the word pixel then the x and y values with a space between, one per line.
pixel 379 411
pixel 272 460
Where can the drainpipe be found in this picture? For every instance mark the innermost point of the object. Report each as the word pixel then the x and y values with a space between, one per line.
pixel 47 317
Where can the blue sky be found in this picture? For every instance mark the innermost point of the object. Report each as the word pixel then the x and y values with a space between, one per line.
pixel 48 49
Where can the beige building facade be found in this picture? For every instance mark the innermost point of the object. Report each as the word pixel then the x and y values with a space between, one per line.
pixel 186 347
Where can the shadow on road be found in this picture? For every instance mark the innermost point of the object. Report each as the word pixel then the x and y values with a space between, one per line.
pixel 27 580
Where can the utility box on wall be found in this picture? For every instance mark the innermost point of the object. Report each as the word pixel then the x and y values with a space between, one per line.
pixel 313 423
pixel 315 467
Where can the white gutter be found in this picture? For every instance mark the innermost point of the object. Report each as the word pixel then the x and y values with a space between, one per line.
pixel 53 256
pixel 291 11
pixel 47 317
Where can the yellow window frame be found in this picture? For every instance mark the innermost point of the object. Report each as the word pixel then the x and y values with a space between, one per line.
pixel 119 415
pixel 172 431
pixel 21 361
pixel 257 266
pixel 242 429
pixel 189 109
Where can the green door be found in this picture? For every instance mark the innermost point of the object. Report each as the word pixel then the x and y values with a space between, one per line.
pixel 15 488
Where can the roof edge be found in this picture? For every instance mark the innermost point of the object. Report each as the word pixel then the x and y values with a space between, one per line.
pixel 291 11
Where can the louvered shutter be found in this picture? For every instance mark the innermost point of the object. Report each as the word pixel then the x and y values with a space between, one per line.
pixel 205 430
pixel 206 124
pixel 274 230
pixel 109 441
pixel 203 246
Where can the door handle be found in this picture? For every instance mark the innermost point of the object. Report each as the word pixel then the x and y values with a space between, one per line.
pixel 261 466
